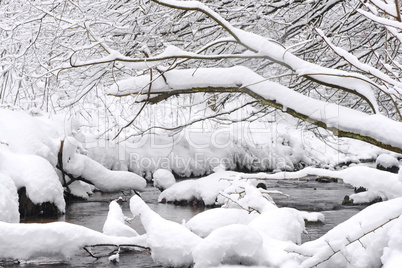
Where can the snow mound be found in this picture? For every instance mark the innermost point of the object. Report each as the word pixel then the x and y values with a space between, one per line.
pixel 171 243
pixel 205 222
pixel 234 243
pixel 79 189
pixel 57 239
pixel 37 175
pixel 115 222
pixel 206 189
pixel 386 161
pixel 285 224
pixel 163 179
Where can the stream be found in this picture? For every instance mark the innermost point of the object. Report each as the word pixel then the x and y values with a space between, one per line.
pixel 306 194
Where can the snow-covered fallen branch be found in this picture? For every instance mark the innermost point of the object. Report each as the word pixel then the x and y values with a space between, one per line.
pixel 56 240
pixel 341 121
pixel 90 171
pixel 363 240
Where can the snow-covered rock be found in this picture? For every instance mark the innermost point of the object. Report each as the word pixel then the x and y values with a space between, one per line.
pixel 243 194
pixel 163 179
pixel 34 173
pixel 171 243
pixel 115 222
pixel 205 189
pixel 77 189
pixel 387 162
pixel 284 224
pixel 232 244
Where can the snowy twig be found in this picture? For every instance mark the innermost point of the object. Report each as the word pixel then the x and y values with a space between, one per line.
pixel 141 109
pixel 88 249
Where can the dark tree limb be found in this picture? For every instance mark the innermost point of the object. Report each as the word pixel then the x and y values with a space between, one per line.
pixel 160 96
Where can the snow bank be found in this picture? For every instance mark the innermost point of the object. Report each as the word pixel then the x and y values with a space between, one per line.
pixel 8 200
pixel 25 134
pixel 205 189
pixel 163 179
pixel 56 240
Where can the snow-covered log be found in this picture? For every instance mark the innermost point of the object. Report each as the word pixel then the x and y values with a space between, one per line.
pixel 84 168
pixel 341 121
pixel 365 240
pixel 56 240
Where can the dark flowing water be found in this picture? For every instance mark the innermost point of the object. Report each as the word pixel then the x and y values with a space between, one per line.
pixel 307 195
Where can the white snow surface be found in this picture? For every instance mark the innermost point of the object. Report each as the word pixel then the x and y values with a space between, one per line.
pixel 115 222
pixel 235 243
pixel 171 243
pixel 8 200
pixel 57 240
pixel 163 179
pixel 25 134
pixel 205 222
pixel 77 189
